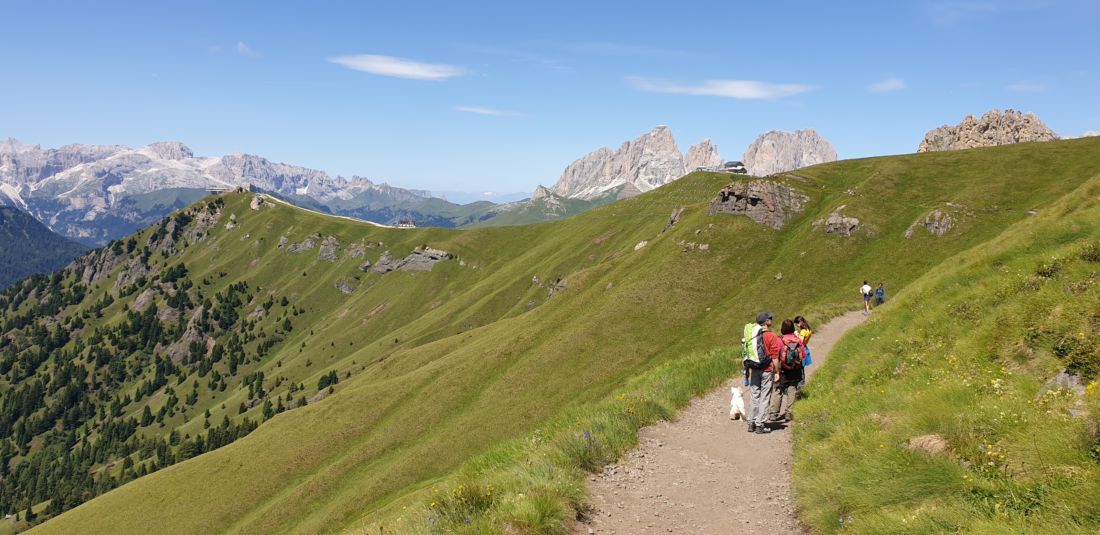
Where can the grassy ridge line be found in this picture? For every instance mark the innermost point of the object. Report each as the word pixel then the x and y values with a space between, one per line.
pixel 417 409
pixel 965 354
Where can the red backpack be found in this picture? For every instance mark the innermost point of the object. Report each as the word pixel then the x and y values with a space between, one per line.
pixel 792 353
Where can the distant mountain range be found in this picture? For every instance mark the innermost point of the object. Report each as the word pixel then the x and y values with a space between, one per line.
pixel 96 193
pixel 467 197
pixel 28 247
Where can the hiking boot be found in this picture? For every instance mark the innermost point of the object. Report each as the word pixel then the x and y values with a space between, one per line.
pixel 760 430
pixel 752 428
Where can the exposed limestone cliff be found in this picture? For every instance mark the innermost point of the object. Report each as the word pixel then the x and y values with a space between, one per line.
pixel 779 152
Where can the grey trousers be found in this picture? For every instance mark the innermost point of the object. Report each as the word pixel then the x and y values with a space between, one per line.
pixel 760 395
pixel 783 397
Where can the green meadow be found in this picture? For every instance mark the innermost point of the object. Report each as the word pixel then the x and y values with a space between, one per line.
pixel 472 398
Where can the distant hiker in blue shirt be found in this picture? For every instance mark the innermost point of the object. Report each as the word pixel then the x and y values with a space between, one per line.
pixel 880 295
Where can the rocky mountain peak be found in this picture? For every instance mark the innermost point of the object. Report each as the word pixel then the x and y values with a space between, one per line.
pixel 702 155
pixel 171 150
pixel 14 146
pixel 541 192
pixel 646 162
pixel 992 129
pixel 779 152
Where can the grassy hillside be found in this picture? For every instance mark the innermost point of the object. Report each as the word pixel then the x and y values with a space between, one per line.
pixel 961 364
pixel 470 359
pixel 27 246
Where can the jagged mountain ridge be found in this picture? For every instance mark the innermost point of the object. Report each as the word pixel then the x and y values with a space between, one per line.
pixel 95 193
pixel 642 164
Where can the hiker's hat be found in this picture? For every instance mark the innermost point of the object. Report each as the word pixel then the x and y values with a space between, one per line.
pixel 763 316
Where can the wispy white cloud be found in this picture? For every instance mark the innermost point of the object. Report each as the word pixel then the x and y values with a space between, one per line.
pixel 888 85
pixel 622 49
pixel 516 55
pixel 1027 87
pixel 245 50
pixel 739 89
pixel 398 67
pixel 480 110
pixel 952 12
pixel 214 49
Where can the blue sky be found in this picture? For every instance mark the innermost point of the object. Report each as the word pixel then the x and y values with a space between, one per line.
pixel 501 96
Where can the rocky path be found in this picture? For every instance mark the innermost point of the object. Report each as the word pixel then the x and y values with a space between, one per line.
pixel 692 475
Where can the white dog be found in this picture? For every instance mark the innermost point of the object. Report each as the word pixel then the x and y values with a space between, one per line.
pixel 737 404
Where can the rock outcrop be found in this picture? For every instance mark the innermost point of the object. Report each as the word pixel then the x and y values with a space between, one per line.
pixel 673 218
pixel 992 129
pixel 766 202
pixel 779 152
pixel 640 165
pixel 96 265
pixel 839 224
pixel 357 250
pixel 939 221
pixel 304 245
pixel 130 273
pixel 346 286
pixel 329 248
pixel 420 259
pixel 423 259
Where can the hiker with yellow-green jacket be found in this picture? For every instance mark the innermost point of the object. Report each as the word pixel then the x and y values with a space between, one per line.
pixel 792 357
pixel 760 352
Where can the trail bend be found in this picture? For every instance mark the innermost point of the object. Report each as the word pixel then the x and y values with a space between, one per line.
pixel 693 475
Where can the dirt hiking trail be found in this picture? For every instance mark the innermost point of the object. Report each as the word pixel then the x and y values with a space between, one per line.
pixel 688 476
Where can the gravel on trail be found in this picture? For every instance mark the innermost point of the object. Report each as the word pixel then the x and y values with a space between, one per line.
pixel 698 473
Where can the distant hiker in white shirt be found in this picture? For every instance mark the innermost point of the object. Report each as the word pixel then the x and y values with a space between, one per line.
pixel 866 291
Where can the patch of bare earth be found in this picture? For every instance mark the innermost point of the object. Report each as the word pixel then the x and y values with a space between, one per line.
pixel 704 473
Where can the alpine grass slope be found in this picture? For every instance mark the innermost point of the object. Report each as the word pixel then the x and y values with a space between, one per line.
pixel 474 396
pixel 950 411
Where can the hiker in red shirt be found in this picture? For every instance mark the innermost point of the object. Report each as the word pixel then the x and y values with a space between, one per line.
pixel 762 379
